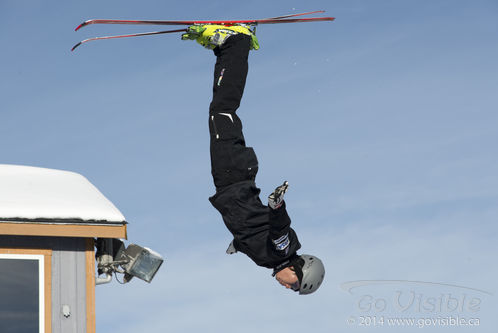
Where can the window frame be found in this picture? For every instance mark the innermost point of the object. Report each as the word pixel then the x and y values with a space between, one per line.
pixel 44 257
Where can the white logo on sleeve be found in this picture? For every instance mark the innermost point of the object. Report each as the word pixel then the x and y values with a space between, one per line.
pixel 282 243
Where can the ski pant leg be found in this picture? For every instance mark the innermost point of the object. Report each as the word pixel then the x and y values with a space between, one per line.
pixel 231 160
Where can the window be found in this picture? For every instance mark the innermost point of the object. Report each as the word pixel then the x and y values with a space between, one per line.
pixel 23 292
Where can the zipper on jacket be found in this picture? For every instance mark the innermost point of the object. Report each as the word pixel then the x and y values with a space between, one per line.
pixel 214 127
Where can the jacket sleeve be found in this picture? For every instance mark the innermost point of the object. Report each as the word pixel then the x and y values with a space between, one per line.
pixel 280 230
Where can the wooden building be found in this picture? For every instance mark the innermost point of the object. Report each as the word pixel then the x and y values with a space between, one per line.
pixel 48 222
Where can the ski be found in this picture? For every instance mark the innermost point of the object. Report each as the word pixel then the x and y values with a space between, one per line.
pixel 129 35
pixel 289 18
pixel 296 15
pixel 221 22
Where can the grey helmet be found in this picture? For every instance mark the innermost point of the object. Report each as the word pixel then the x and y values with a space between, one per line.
pixel 313 274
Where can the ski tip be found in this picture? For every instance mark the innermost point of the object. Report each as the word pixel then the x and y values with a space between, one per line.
pixel 330 19
pixel 82 25
pixel 74 47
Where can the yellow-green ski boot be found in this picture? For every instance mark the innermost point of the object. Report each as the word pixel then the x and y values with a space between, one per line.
pixel 213 35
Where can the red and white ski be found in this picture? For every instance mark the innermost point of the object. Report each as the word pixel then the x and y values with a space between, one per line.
pixel 296 15
pixel 290 18
pixel 129 35
pixel 279 19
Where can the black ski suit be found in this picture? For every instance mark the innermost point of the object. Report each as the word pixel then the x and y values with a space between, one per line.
pixel 260 232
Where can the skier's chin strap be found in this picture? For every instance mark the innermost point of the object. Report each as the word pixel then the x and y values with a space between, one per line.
pixel 296 262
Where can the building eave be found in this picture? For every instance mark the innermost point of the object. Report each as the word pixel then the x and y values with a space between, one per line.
pixel 67 228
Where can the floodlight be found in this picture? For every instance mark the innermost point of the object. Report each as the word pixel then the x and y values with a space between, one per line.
pixel 142 262
pixel 114 257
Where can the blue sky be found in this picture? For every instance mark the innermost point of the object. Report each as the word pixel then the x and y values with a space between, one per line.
pixel 384 123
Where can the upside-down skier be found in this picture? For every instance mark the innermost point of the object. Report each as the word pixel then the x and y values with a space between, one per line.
pixel 260 231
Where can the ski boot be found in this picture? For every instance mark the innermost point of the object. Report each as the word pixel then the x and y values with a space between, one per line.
pixel 276 199
pixel 213 35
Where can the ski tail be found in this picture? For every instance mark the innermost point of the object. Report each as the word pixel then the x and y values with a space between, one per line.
pixel 295 15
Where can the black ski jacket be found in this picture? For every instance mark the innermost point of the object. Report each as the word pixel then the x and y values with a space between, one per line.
pixel 260 232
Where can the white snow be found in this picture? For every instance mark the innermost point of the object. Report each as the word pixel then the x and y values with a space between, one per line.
pixel 38 193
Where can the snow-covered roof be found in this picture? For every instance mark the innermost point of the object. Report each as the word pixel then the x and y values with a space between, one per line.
pixel 47 195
